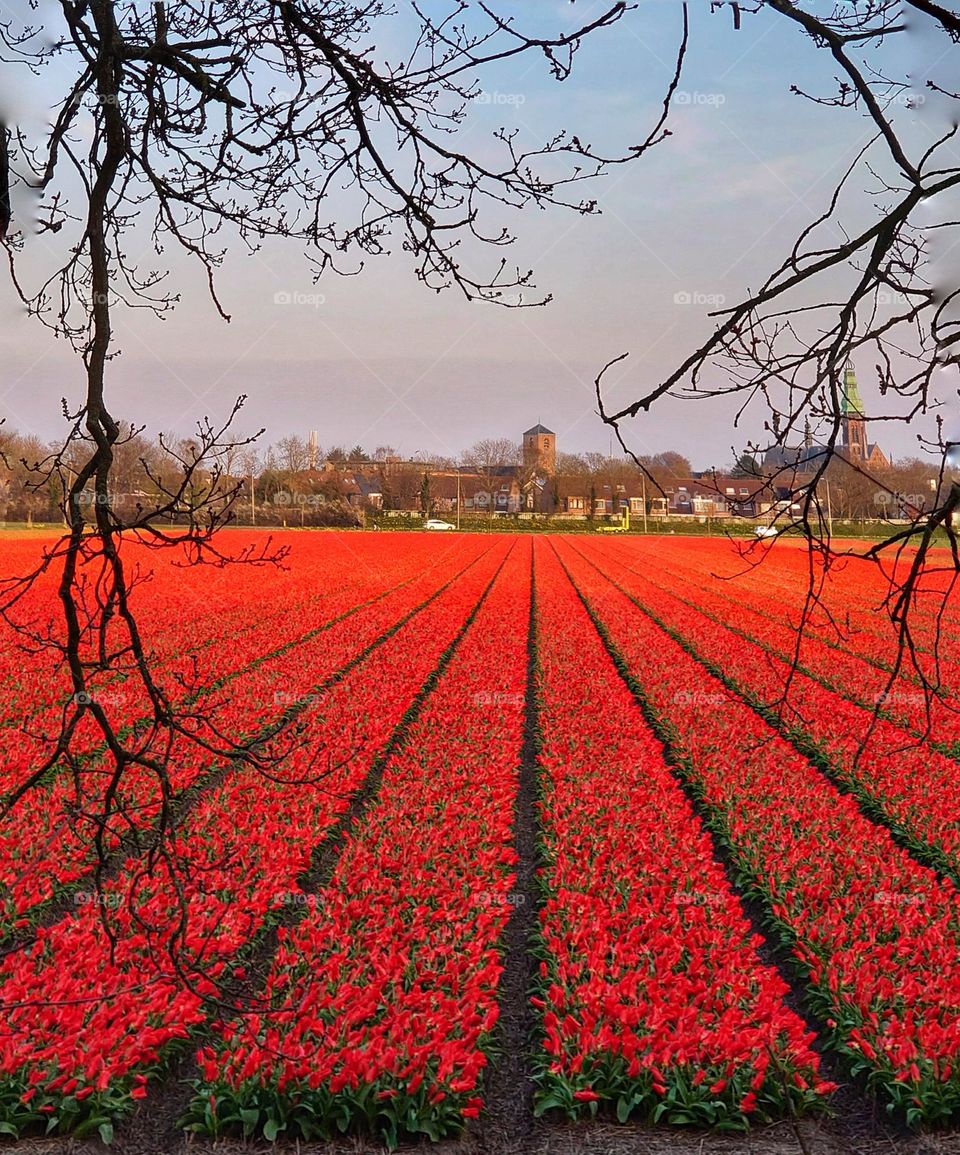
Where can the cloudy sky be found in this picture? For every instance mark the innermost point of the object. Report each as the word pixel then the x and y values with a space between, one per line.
pixel 379 359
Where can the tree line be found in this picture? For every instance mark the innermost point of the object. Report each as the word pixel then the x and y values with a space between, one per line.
pixel 251 478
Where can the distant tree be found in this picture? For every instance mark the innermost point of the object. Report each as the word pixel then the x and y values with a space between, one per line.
pixel 403 482
pixel 337 455
pixel 386 486
pixel 271 485
pixel 38 498
pixel 232 458
pixel 249 461
pixel 853 494
pixel 491 451
pixel 487 459
pixel 746 466
pixel 598 463
pixel 423 456
pixel 668 463
pixel 571 464
pixel 425 500
pixel 908 487
pixel 293 453
pixel 357 454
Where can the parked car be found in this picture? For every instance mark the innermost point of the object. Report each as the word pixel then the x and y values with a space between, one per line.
pixel 436 523
pixel 765 531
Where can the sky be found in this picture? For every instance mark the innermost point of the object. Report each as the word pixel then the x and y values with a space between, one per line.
pixel 378 359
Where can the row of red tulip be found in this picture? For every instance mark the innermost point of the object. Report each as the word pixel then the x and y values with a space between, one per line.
pixel 174 615
pixel 383 999
pixel 852 606
pixel 174 622
pixel 260 682
pixel 874 931
pixel 845 664
pixel 180 635
pixel 653 998
pixel 906 783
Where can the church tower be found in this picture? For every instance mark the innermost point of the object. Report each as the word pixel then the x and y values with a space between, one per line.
pixel 854 420
pixel 540 450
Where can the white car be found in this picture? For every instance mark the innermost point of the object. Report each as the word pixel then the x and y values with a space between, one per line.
pixel 435 523
pixel 765 531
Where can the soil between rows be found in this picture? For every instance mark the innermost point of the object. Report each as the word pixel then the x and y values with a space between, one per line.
pixel 824 1137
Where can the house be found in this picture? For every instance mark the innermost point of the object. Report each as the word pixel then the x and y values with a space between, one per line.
pixel 576 496
pixel 712 495
pixel 367 491
pixel 351 491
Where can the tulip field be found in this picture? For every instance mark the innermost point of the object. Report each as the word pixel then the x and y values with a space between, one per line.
pixel 590 817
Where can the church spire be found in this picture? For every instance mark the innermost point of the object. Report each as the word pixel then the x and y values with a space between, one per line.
pixel 854 421
pixel 852 403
